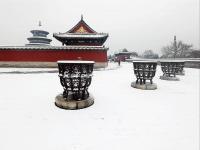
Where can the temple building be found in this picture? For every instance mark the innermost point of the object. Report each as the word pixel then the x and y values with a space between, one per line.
pixel 81 35
pixel 79 43
pixel 39 37
pixel 125 55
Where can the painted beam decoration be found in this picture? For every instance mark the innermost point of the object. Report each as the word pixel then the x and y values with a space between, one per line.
pixel 81 29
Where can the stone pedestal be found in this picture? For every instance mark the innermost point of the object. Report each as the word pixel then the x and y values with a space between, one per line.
pixel 146 86
pixel 71 104
pixel 169 78
pixel 181 73
pixel 75 78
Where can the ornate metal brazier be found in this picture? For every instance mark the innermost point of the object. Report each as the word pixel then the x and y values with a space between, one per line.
pixel 144 70
pixel 75 77
pixel 172 67
pixel 180 66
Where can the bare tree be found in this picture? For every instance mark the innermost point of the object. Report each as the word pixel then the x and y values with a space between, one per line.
pixel 150 54
pixel 176 49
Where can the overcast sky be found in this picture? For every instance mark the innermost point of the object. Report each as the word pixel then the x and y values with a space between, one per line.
pixel 137 25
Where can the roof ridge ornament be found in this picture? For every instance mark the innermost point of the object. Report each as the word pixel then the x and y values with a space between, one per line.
pixel 81 16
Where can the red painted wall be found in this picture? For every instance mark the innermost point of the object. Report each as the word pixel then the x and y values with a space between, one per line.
pixel 52 55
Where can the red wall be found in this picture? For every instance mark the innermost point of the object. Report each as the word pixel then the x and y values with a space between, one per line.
pixel 52 55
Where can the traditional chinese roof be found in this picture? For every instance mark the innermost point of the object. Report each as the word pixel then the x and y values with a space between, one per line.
pixel 81 31
pixel 81 27
pixel 39 37
pixel 39 31
pixel 78 35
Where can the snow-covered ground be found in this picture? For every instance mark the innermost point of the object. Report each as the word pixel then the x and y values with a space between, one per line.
pixel 111 66
pixel 122 118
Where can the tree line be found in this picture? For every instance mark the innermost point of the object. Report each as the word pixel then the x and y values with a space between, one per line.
pixel 176 49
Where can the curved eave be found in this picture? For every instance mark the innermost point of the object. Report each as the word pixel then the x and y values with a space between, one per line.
pixel 39 38
pixel 80 36
pixel 41 31
pixel 76 38
pixel 81 22
pixel 65 39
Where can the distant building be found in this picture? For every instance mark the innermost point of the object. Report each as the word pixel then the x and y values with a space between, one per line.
pixel 125 55
pixel 79 43
pixel 39 37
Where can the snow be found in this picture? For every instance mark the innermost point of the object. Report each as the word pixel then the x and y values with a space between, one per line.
pixel 81 35
pixel 47 47
pixel 172 61
pixel 27 70
pixel 122 118
pixel 145 61
pixel 75 62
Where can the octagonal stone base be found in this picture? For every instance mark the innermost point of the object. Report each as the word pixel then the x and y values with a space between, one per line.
pixel 169 78
pixel 181 73
pixel 146 86
pixel 63 103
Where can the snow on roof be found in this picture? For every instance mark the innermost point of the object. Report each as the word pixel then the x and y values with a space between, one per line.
pixel 122 118
pixel 80 23
pixel 39 30
pixel 40 38
pixel 74 35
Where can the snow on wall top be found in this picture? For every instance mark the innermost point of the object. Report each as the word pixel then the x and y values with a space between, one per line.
pixel 53 48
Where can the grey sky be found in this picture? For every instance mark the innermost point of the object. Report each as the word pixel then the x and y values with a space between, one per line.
pixel 133 24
